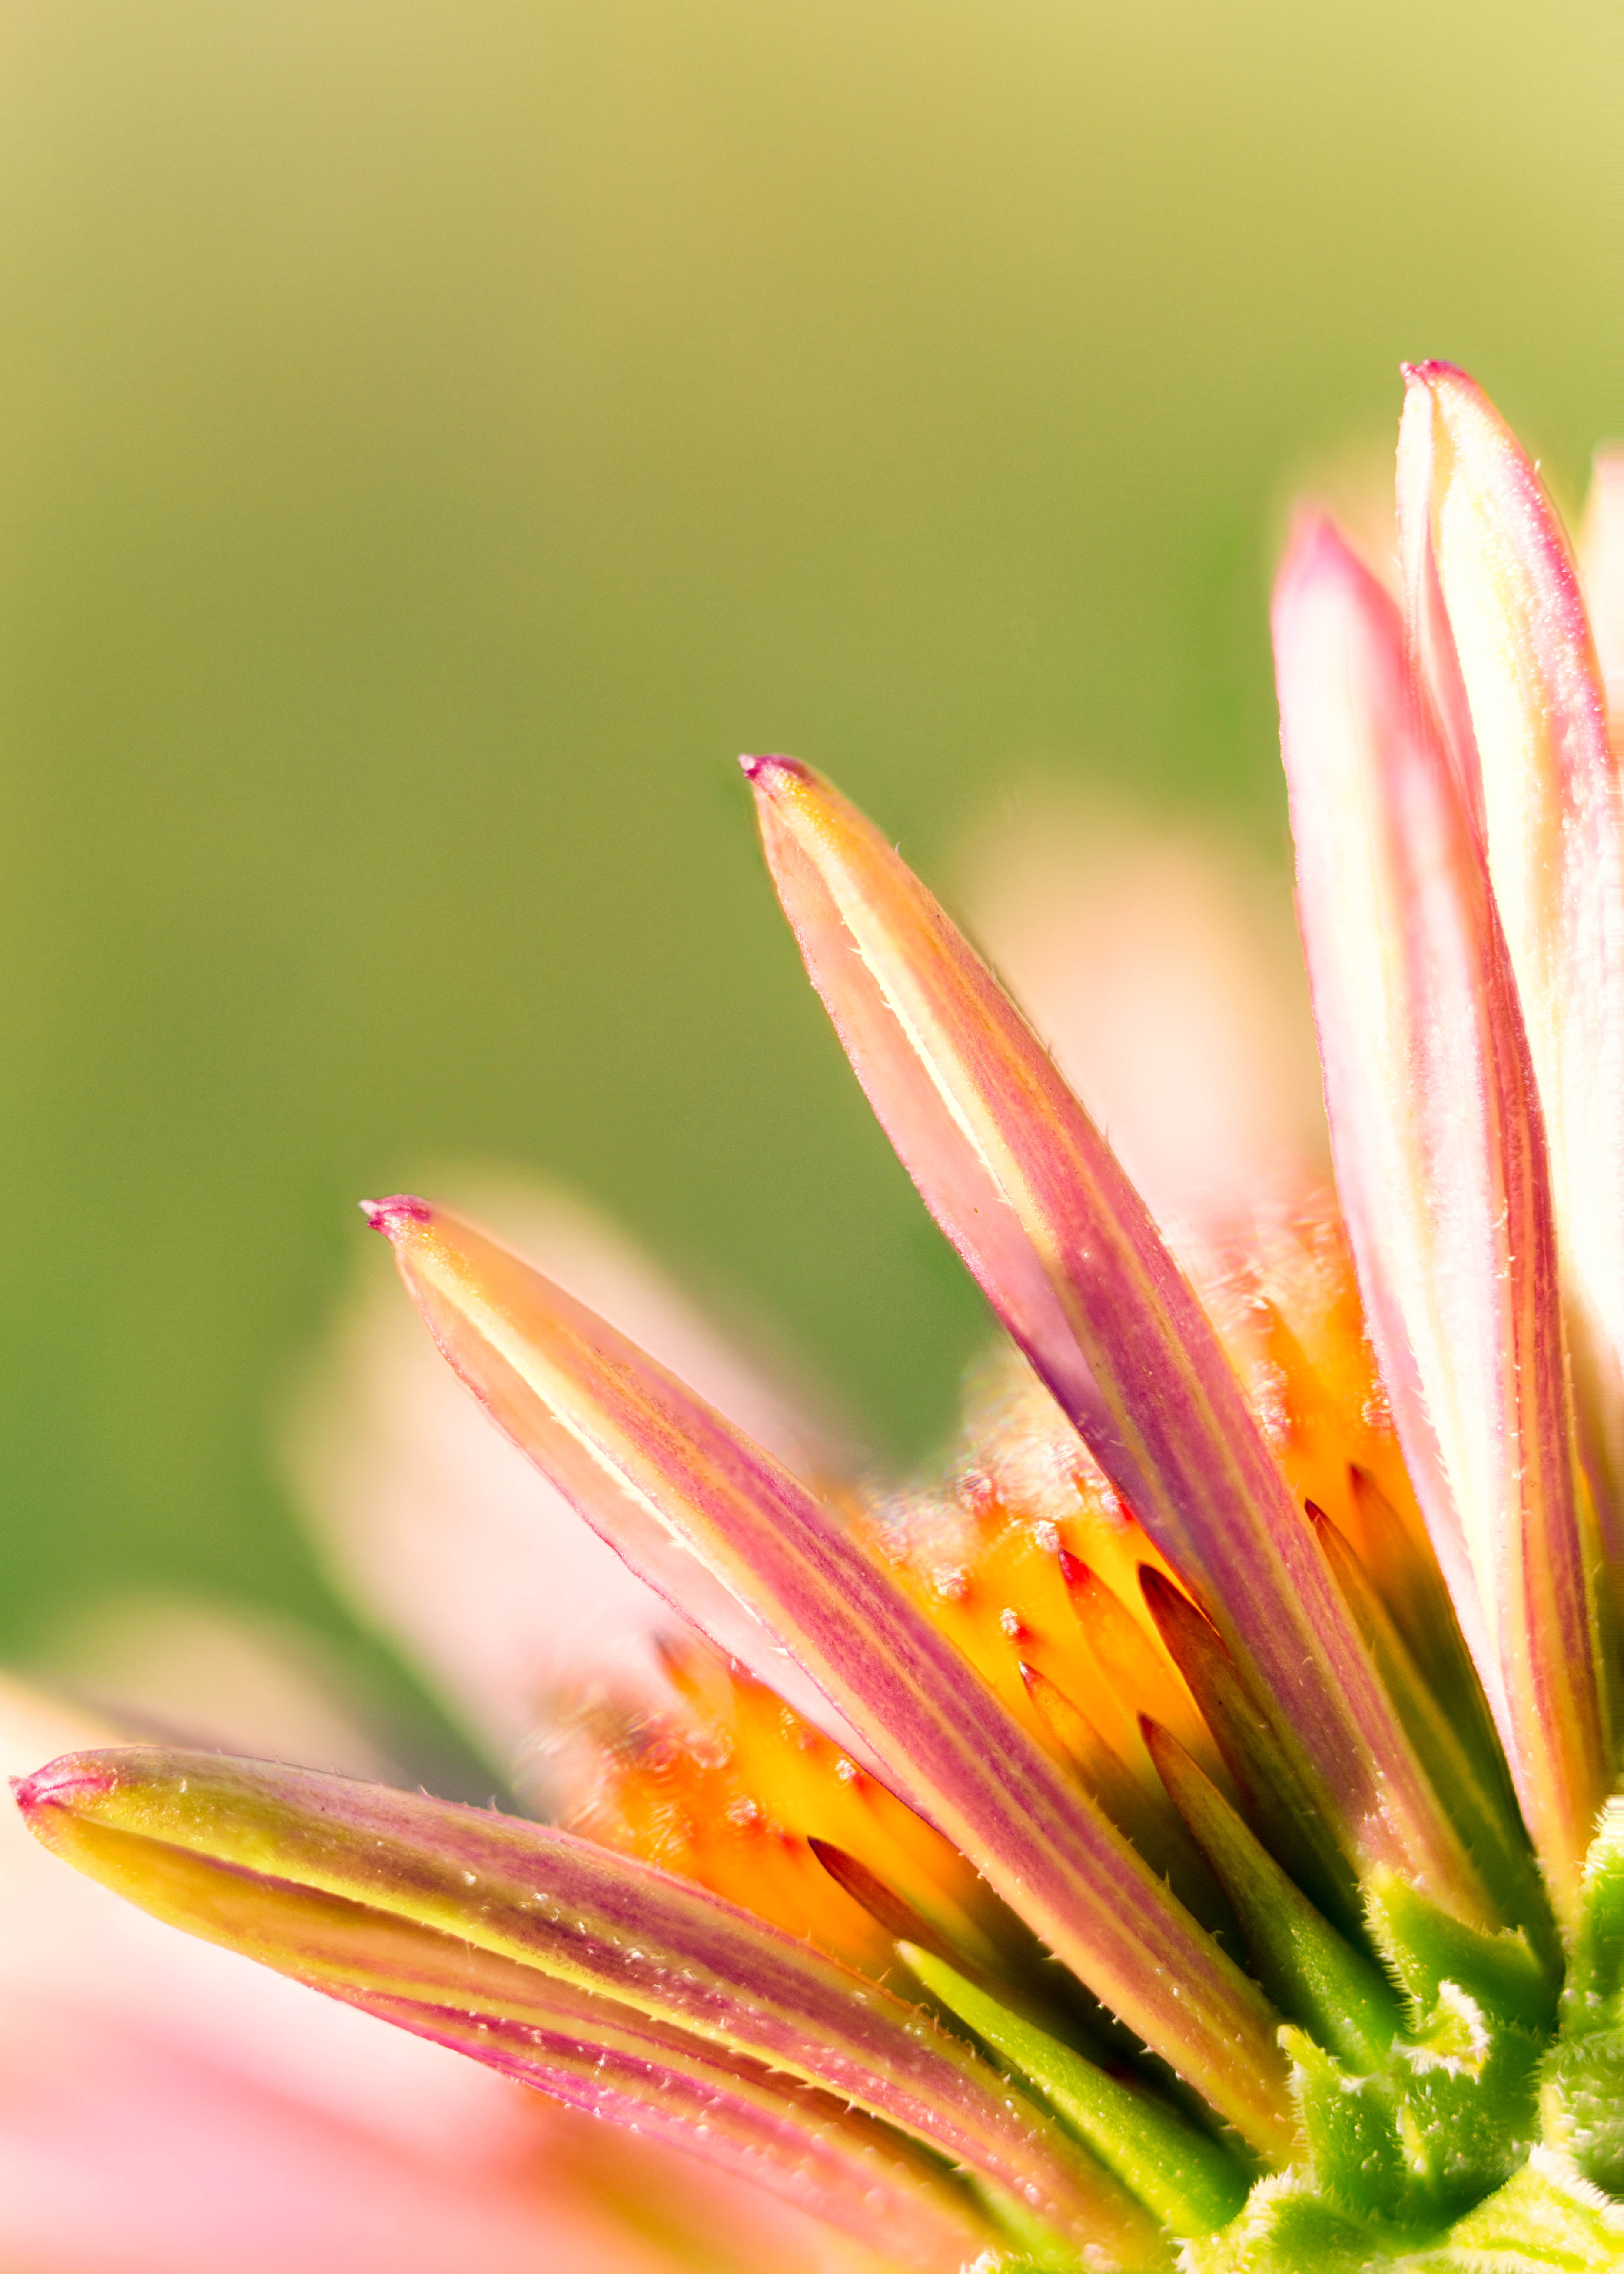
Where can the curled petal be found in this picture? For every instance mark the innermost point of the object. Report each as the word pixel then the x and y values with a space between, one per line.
pixel 1442 1166
pixel 1026 1186
pixel 646 1461
pixel 396 1902
pixel 1499 624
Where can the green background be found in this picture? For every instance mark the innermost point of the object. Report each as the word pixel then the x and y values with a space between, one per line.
pixel 435 438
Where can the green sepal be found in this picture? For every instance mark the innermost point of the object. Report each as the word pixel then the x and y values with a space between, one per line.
pixel 1350 2131
pixel 1450 2110
pixel 1191 2183
pixel 1469 2111
pixel 1548 2214
pixel 1583 2078
pixel 1425 1947
pixel 1287 2229
pixel 1583 2101
pixel 1447 2118
pixel 1545 2217
pixel 1597 1975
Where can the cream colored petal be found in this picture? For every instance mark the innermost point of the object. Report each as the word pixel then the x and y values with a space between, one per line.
pixel 1160 964
pixel 1443 1171
pixel 1496 618
pixel 1601 572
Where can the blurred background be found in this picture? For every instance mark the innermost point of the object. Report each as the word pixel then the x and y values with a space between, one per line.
pixel 434 440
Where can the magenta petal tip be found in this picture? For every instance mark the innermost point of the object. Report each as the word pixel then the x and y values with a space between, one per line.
pixel 387 1215
pixel 59 1784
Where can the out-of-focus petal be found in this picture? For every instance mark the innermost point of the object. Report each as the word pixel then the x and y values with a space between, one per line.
pixel 1499 624
pixel 189 1672
pixel 437 1529
pixel 678 1488
pixel 1025 1186
pixel 1601 568
pixel 124 2156
pixel 417 1880
pixel 1158 965
pixel 1442 1166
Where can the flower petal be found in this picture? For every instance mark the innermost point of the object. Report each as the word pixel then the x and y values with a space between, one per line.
pixel 435 1527
pixel 1442 1167
pixel 1601 565
pixel 1497 619
pixel 1029 1191
pixel 602 1925
pixel 644 1457
pixel 588 2051
pixel 296 2133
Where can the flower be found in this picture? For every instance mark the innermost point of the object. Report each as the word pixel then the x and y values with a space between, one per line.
pixel 1204 1848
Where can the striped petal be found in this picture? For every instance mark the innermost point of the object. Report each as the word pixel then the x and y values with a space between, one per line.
pixel 1498 623
pixel 1026 1186
pixel 638 1452
pixel 1442 1168
pixel 374 1893
pixel 585 2050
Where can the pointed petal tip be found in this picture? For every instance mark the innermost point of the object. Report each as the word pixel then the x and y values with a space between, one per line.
pixel 762 771
pixel 391 1217
pixel 1316 548
pixel 1432 371
pixel 72 1778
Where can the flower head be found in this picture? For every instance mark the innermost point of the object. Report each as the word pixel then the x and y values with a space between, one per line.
pixel 1192 1837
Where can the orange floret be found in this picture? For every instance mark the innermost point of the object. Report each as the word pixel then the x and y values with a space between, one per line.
pixel 728 1786
pixel 1284 1298
pixel 1022 1553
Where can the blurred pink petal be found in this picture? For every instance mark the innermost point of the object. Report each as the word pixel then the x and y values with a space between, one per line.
pixel 1159 965
pixel 440 1532
pixel 184 1671
pixel 1601 568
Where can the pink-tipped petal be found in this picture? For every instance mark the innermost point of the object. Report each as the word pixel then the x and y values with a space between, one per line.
pixel 293 2132
pixel 686 1497
pixel 1023 1183
pixel 1498 623
pixel 1442 1168
pixel 436 1527
pixel 583 2050
pixel 380 1896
